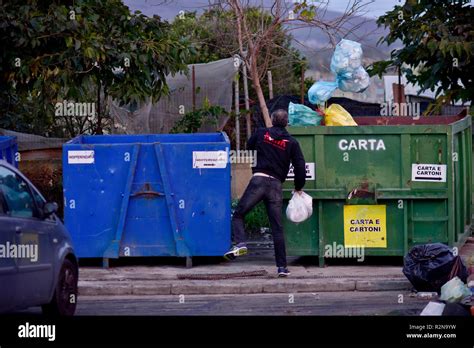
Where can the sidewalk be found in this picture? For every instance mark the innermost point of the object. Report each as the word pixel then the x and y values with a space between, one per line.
pixel 224 278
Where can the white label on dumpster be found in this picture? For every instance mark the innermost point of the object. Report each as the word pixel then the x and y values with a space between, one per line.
pixel 80 156
pixel 428 172
pixel 210 159
pixel 309 172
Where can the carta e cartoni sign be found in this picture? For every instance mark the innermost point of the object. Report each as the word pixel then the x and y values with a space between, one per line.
pixel 368 225
pixel 428 170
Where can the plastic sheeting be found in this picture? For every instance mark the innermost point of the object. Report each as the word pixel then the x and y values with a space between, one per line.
pixel 28 142
pixel 213 80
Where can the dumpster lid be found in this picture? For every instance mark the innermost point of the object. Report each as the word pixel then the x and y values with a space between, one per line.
pixel 151 138
pixel 404 120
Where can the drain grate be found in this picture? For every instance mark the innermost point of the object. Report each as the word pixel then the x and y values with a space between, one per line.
pixel 217 276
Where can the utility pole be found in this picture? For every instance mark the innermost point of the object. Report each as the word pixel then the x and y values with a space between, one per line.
pixel 247 104
pixel 237 114
pixel 194 88
pixel 270 85
pixel 302 84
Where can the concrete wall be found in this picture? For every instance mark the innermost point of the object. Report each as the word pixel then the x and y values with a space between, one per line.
pixel 42 155
pixel 241 174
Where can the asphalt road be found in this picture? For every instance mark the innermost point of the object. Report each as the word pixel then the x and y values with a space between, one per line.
pixel 325 303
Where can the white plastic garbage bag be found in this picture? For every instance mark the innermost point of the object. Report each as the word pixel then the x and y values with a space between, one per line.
pixel 454 291
pixel 300 207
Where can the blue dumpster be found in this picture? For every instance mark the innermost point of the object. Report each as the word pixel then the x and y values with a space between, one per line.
pixel 148 195
pixel 9 150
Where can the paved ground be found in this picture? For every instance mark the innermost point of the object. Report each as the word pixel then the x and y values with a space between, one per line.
pixel 333 303
pixel 221 278
pixel 164 276
pixel 376 287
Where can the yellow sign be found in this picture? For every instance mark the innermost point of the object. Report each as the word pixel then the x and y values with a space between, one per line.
pixel 365 225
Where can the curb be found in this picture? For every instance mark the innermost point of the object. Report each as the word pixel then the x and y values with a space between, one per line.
pixel 254 286
pixel 386 285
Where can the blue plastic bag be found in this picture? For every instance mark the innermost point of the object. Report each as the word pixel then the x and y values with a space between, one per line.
pixel 321 91
pixel 358 81
pixel 347 57
pixel 301 115
pixel 346 64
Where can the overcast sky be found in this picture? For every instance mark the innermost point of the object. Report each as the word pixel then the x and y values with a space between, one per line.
pixel 168 9
pixel 375 8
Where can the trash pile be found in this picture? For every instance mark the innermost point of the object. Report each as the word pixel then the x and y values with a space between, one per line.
pixel 346 64
pixel 336 115
pixel 433 270
pixel 301 115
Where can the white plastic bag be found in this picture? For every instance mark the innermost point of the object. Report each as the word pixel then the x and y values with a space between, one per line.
pixel 300 207
pixel 454 291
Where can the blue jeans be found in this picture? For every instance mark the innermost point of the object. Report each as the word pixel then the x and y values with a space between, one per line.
pixel 270 191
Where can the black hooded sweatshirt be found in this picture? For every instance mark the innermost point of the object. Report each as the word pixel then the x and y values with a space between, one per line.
pixel 276 149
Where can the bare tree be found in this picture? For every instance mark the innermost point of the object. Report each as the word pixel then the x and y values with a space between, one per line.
pixel 287 17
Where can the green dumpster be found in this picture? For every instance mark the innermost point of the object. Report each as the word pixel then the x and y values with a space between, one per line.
pixel 387 184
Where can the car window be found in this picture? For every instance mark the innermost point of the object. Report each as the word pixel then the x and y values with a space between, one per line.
pixel 3 204
pixel 16 194
pixel 38 200
pixel 40 203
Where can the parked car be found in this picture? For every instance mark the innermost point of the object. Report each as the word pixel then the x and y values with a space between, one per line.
pixel 38 266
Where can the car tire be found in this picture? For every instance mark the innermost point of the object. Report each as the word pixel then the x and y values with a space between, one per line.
pixel 61 304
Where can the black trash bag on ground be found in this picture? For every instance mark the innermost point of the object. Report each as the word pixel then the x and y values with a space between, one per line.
pixel 456 309
pixel 430 266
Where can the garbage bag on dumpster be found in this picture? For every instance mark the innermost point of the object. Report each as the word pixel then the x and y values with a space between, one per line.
pixel 430 266
pixel 346 64
pixel 300 207
pixel 336 115
pixel 321 91
pixel 346 57
pixel 357 82
pixel 301 115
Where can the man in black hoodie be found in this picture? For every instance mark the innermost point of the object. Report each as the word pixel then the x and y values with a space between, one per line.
pixel 276 149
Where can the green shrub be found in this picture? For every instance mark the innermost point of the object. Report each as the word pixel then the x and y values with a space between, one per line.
pixel 193 120
pixel 255 219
